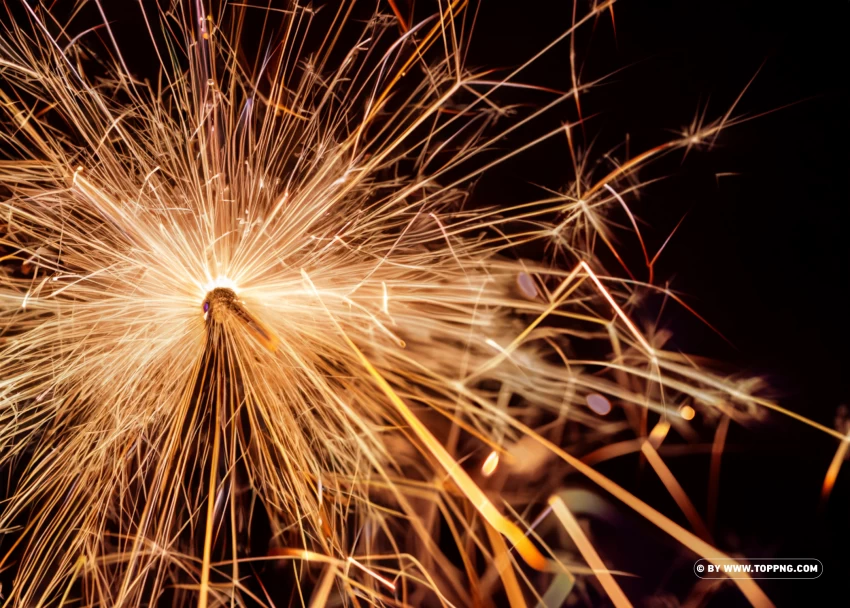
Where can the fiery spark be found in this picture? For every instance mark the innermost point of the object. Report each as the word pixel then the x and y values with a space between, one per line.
pixel 250 330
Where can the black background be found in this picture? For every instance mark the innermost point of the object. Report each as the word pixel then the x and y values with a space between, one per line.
pixel 761 255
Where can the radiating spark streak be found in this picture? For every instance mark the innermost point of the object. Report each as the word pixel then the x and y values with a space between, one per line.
pixel 658 433
pixel 631 164
pixel 747 586
pixel 384 329
pixel 659 252
pixel 108 209
pixel 205 565
pixel 834 468
pixel 588 552
pixel 719 384
pixel 675 489
pixel 495 345
pixel 714 469
pixel 558 298
pixel 502 563
pixel 372 573
pixel 807 421
pixel 386 300
pixel 448 242
pixel 304 554
pixel 427 40
pixel 19 68
pixel 323 589
pixel 628 211
pixel 262 332
pixel 79 565
pixel 635 332
pixel 478 499
pixel 558 591
pixel 573 69
pixel 398 15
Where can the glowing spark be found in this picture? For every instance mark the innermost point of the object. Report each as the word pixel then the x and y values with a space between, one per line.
pixel 490 464
pixel 687 412
pixel 834 468
pixel 495 345
pixel 372 573
pixel 658 433
pixel 386 299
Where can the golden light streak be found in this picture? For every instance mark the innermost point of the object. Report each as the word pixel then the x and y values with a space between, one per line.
pixel 372 573
pixel 323 589
pixel 748 587
pixel 261 332
pixel 502 564
pixel 618 598
pixel 834 467
pixel 714 469
pixel 79 565
pixel 479 500
pixel 807 421
pixel 490 464
pixel 676 491
pixel 558 297
pixel 658 433
pixel 386 300
pixel 208 532
pixel 635 332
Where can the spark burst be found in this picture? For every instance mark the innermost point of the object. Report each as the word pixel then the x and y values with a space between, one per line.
pixel 250 330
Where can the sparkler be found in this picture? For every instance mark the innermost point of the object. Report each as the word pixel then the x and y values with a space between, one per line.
pixel 250 328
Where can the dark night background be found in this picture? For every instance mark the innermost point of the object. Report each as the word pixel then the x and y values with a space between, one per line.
pixel 761 255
